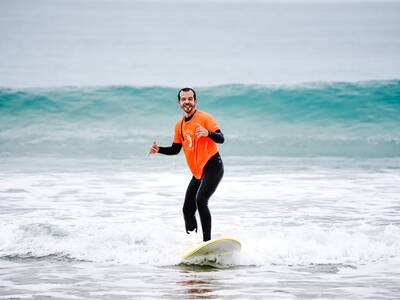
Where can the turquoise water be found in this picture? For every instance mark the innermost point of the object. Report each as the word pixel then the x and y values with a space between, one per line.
pixel 316 119
pixel 311 189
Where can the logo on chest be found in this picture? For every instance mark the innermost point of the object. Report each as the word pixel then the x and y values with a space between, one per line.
pixel 189 140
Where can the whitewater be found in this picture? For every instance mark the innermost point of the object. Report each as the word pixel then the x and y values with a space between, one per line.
pixel 98 229
pixel 307 94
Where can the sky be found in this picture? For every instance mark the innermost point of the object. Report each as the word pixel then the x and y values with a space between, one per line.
pixel 173 43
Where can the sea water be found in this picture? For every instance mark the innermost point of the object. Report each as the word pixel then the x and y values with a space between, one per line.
pixel 311 189
pixel 312 169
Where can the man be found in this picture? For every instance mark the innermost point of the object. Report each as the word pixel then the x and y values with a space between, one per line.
pixel 197 133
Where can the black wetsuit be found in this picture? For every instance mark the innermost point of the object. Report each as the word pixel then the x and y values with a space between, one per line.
pixel 200 190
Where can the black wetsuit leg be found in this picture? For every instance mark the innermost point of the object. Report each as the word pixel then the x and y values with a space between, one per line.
pixel 198 194
pixel 190 207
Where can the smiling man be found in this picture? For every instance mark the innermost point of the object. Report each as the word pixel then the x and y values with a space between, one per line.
pixel 197 133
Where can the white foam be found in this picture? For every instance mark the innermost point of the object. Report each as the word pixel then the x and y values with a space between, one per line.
pixel 156 243
pixel 282 215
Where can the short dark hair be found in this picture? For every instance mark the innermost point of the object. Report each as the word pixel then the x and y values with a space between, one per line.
pixel 186 89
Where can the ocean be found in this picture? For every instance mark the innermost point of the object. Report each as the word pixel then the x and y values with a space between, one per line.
pixel 310 116
pixel 320 119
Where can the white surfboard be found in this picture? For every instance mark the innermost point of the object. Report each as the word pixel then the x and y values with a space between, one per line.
pixel 219 246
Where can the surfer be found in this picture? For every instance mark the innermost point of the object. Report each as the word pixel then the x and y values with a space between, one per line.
pixel 197 133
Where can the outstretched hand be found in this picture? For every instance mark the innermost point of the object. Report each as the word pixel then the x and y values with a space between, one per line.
pixel 153 148
pixel 201 131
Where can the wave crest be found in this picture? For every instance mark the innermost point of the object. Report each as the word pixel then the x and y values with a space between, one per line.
pixel 323 119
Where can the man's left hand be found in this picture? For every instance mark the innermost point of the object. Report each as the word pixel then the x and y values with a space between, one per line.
pixel 201 131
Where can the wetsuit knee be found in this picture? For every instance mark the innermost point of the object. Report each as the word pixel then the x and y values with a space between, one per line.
pixel 202 199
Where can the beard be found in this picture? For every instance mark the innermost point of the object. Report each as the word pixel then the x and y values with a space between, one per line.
pixel 187 108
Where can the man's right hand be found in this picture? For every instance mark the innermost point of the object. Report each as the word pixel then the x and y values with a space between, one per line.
pixel 154 148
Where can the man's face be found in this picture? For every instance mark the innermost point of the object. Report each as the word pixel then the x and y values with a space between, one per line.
pixel 187 102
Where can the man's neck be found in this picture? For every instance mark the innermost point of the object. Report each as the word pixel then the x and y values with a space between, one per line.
pixel 189 116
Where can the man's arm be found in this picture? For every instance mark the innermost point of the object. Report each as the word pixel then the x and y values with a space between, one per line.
pixel 217 136
pixel 172 150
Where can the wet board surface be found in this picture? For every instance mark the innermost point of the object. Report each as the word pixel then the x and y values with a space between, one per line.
pixel 218 246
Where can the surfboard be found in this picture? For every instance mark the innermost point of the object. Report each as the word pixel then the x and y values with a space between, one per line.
pixel 219 246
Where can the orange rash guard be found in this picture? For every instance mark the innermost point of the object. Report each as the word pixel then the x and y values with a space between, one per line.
pixel 197 150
